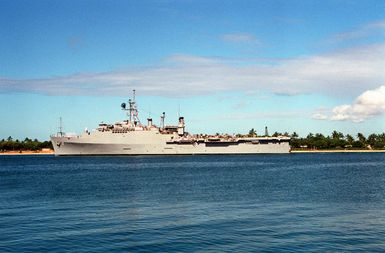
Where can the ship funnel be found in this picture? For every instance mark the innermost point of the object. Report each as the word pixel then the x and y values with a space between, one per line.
pixel 181 126
pixel 149 122
pixel 162 120
pixel 181 120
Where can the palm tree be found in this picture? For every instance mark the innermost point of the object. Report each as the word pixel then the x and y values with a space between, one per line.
pixel 361 138
pixel 372 139
pixel 337 135
pixel 349 139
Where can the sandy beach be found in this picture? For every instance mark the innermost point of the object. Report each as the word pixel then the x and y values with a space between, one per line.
pixel 28 152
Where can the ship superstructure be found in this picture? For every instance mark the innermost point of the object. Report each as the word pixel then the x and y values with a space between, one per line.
pixel 131 137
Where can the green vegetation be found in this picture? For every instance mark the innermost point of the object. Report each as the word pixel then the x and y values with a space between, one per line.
pixel 10 144
pixel 338 140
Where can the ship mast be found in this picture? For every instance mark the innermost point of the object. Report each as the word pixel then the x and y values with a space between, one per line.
pixel 132 111
pixel 60 133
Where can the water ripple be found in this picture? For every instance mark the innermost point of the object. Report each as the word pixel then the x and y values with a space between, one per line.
pixel 266 203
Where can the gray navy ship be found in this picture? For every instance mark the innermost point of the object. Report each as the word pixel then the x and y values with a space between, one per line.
pixel 131 137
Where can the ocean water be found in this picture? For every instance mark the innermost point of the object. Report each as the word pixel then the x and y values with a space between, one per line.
pixel 259 203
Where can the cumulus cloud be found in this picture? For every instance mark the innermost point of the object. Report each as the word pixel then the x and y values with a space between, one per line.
pixel 369 104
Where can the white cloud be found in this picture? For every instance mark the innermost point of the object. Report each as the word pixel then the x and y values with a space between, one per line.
pixel 238 37
pixel 342 73
pixel 369 104
pixel 371 29
pixel 319 116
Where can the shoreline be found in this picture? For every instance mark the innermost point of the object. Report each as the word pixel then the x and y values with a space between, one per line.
pixel 338 151
pixel 51 152
pixel 28 152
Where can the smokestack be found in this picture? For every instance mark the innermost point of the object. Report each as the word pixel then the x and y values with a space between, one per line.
pixel 181 126
pixel 149 122
pixel 162 120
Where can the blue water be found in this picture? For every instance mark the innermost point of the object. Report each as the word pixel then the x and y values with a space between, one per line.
pixel 266 203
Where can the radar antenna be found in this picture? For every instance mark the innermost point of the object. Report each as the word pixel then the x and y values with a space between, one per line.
pixel 132 111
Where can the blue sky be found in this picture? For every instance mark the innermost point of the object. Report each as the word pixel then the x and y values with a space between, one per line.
pixel 304 66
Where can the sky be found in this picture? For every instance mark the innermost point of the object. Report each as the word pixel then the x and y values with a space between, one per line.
pixel 226 66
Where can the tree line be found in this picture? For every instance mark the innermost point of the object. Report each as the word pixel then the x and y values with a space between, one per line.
pixel 10 144
pixel 338 140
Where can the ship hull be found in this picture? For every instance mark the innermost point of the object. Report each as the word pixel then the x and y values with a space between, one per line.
pixel 79 146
